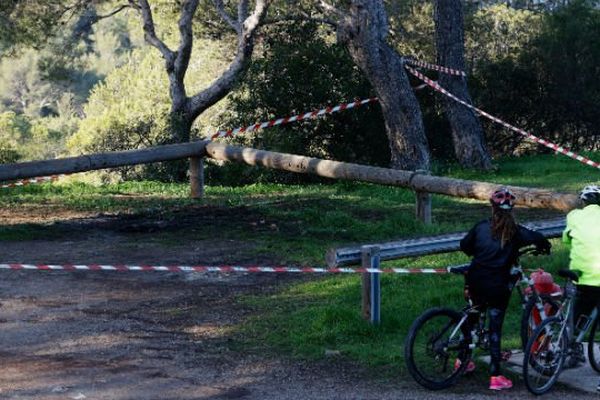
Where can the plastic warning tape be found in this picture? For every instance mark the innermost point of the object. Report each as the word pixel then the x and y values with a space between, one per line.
pixel 25 182
pixel 221 268
pixel 435 67
pixel 299 117
pixel 287 120
pixel 528 135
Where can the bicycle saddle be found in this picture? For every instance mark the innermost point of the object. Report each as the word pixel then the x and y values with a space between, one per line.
pixel 568 274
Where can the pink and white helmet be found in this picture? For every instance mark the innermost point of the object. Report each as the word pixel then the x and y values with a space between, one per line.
pixel 503 198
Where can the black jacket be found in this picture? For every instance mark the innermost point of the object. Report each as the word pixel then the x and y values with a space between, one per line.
pixel 491 262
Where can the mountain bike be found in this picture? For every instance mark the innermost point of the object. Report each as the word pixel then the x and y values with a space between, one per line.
pixel 437 351
pixel 559 337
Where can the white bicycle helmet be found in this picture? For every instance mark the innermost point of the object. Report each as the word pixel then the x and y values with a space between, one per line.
pixel 590 194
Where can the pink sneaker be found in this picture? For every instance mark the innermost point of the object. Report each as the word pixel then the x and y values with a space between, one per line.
pixel 500 383
pixel 470 365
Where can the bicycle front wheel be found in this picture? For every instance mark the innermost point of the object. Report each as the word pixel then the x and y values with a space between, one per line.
pixel 531 318
pixel 594 346
pixel 433 346
pixel 544 356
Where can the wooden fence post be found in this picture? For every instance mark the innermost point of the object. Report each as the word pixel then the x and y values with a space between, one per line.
pixel 371 285
pixel 197 177
pixel 423 202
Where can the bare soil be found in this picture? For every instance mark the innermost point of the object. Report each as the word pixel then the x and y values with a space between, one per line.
pixel 151 335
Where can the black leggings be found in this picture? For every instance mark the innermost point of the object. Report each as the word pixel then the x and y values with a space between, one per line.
pixel 495 301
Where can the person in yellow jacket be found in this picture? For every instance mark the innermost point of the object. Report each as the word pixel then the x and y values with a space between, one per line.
pixel 582 237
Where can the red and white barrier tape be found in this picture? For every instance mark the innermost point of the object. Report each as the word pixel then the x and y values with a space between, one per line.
pixel 440 68
pixel 299 117
pixel 25 182
pixel 220 268
pixel 528 135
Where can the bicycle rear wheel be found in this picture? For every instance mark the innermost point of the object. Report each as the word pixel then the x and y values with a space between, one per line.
pixel 433 345
pixel 594 346
pixel 544 356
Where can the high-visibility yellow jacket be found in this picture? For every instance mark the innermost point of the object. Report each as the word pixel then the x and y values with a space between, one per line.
pixel 582 236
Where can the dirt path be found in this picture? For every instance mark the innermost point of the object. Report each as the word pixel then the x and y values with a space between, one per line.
pixel 104 335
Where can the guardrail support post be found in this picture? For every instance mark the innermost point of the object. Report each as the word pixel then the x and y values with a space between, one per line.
pixel 371 285
pixel 423 202
pixel 197 177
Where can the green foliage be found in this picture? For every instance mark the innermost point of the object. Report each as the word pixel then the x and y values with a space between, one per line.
pixel 499 33
pixel 295 76
pixel 25 22
pixel 23 138
pixel 414 29
pixel 550 86
pixel 128 110
pixel 22 86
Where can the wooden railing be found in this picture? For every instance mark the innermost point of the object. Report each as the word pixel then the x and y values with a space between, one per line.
pixel 418 181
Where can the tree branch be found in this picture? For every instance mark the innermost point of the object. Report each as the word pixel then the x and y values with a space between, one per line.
pixel 302 17
pixel 150 34
pixel 242 12
pixel 113 12
pixel 182 60
pixel 330 9
pixel 255 19
pixel 226 17
pixel 219 88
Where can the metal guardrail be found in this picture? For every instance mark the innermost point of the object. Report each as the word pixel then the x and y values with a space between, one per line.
pixel 428 245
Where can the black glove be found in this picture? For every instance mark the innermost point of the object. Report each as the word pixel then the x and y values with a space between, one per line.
pixel 544 247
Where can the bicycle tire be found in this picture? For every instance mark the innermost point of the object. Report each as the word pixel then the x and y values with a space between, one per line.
pixel 540 345
pixel 594 346
pixel 416 368
pixel 527 325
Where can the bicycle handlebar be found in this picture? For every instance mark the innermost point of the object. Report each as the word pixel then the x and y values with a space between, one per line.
pixel 463 268
pixel 529 250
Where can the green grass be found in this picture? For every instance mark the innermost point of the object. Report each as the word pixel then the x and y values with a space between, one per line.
pixel 297 224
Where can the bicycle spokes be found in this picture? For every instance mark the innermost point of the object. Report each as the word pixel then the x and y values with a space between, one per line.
pixel 434 345
pixel 544 356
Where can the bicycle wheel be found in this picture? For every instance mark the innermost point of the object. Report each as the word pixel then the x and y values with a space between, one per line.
pixel 432 347
pixel 544 356
pixel 594 346
pixel 531 318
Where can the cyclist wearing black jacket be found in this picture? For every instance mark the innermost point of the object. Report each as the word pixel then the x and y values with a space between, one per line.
pixel 494 246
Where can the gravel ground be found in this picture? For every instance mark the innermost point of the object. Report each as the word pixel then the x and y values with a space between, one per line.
pixel 163 336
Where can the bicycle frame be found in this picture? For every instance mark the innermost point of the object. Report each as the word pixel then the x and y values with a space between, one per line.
pixel 567 312
pixel 592 319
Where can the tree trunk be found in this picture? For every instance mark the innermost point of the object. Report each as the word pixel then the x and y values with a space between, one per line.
pixel 363 31
pixel 467 134
pixel 181 126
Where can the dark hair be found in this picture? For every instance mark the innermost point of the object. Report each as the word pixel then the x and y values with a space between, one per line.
pixel 504 226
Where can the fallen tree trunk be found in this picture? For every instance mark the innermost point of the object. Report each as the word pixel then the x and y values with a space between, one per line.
pixel 529 197
pixel 101 161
